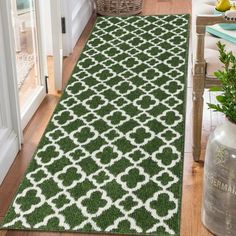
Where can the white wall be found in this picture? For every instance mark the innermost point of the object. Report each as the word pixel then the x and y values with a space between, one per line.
pixel 77 14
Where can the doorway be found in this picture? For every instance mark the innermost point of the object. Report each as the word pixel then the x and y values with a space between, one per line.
pixel 23 69
pixel 31 66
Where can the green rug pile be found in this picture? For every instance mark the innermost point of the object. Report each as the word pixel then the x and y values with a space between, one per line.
pixel 111 158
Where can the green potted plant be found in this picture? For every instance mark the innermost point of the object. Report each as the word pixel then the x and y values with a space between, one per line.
pixel 219 194
pixel 227 77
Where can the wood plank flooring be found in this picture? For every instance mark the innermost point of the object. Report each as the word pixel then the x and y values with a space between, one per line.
pixel 192 183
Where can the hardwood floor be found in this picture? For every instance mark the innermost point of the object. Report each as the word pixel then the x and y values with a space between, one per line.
pixel 192 180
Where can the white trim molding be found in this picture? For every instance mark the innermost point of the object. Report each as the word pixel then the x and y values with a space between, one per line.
pixel 57 50
pixel 11 135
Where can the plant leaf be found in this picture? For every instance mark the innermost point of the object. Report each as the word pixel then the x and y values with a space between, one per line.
pixel 214 107
pixel 215 89
pixel 220 98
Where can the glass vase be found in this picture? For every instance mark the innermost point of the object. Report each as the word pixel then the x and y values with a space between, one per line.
pixel 219 193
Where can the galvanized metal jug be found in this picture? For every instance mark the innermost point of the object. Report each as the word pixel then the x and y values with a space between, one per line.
pixel 219 194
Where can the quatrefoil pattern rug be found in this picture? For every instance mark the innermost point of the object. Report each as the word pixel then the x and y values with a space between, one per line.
pixel 111 157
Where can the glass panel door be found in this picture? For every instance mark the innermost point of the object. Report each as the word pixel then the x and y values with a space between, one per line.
pixel 26 28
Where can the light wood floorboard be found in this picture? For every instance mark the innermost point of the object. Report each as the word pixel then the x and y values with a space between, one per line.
pixel 192 180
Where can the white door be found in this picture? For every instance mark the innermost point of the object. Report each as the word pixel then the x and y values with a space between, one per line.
pixel 10 122
pixel 30 55
pixel 68 20
pixel 76 15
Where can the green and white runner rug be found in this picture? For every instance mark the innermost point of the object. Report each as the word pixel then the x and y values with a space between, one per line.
pixel 111 158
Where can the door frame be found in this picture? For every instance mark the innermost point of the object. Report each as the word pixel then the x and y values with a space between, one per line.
pixel 57 45
pixel 11 75
pixel 40 92
pixel 11 134
pixel 76 15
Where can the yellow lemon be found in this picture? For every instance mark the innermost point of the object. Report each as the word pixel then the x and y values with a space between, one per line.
pixel 223 5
